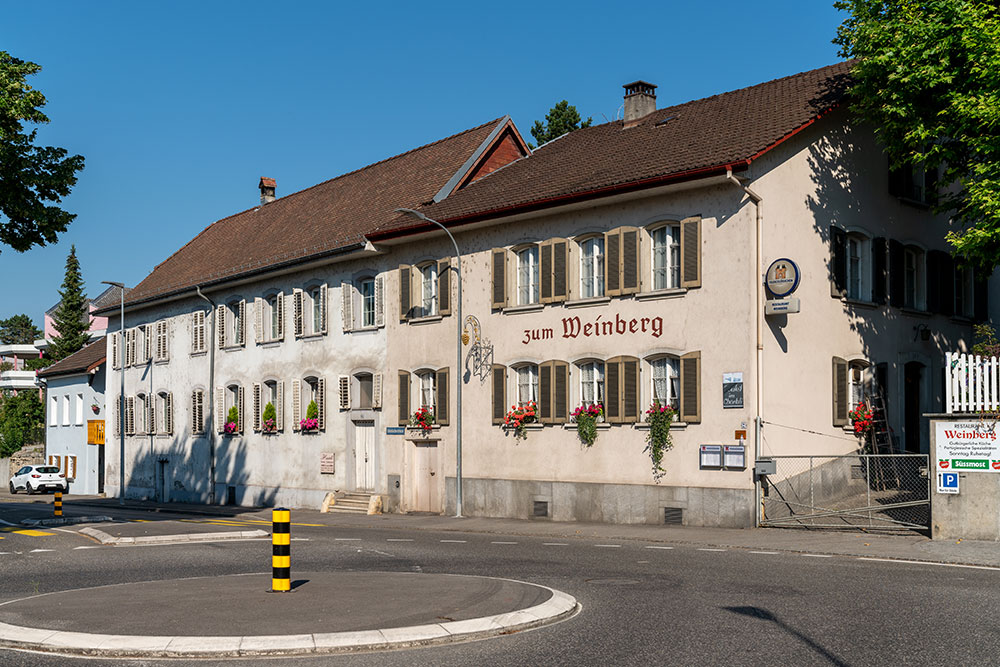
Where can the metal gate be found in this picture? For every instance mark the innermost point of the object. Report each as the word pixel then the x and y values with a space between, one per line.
pixel 871 491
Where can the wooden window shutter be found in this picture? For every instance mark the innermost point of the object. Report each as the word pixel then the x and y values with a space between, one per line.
pixel 321 402
pixel 150 414
pixel 279 409
pixel 947 290
pixel 880 274
pixel 296 404
pixel 220 410
pixel 691 252
pixel 258 320
pixel 405 291
pixel 444 287
pixel 630 410
pixel 934 281
pixel 613 390
pixel 690 364
pixel 279 303
pixel 404 398
pixel 165 355
pixel 981 299
pixel 838 262
pixel 118 416
pixel 297 298
pixel 613 263
pixel 560 392
pixel 344 391
pixel 169 413
pixel 241 331
pixel 130 415
pixel 196 399
pixel 116 351
pixel 324 306
pixel 560 269
pixel 220 323
pixel 545 393
pixel 545 271
pixel 379 301
pixel 346 305
pixel 499 273
pixel 896 273
pixel 256 406
pixel 630 260
pixel 239 409
pixel 839 392
pixel 377 391
pixel 442 410
pixel 499 393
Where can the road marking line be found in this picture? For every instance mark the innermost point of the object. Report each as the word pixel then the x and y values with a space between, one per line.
pixel 707 549
pixel 32 533
pixel 300 539
pixel 91 547
pixel 818 555
pixel 607 546
pixel 35 551
pixel 5 553
pixel 454 541
pixel 146 520
pixel 399 539
pixel 924 562
pixel 651 546
pixel 347 539
pixel 768 553
pixel 642 561
pixel 555 544
pixel 503 542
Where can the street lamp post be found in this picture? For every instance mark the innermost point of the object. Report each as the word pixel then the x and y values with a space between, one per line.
pixel 121 398
pixel 458 362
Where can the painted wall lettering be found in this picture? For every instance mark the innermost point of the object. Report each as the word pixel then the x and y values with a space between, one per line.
pixel 574 327
pixel 536 334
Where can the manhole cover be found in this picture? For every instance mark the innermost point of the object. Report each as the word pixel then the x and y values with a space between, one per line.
pixel 612 582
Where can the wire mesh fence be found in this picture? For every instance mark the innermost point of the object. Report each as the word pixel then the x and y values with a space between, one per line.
pixel 872 491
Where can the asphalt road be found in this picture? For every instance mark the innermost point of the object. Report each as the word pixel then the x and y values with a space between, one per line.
pixel 643 604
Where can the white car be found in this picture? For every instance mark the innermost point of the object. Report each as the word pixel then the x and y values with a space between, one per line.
pixel 38 478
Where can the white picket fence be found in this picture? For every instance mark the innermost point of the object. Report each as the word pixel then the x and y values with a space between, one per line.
pixel 971 383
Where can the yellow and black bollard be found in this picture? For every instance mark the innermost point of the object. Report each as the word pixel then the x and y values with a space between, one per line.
pixel 57 503
pixel 281 550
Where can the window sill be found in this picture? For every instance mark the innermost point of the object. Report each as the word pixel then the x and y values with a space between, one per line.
pixel 916 312
pixel 961 319
pixel 363 329
pixel 232 348
pixel 430 319
pixel 914 202
pixel 311 336
pixel 600 425
pixel 671 293
pixel 270 343
pixel 863 304
pixel 643 426
pixel 199 353
pixel 526 308
pixel 585 303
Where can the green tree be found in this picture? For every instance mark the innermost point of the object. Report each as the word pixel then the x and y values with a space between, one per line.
pixel 928 80
pixel 72 320
pixel 560 119
pixel 32 178
pixel 18 330
pixel 22 421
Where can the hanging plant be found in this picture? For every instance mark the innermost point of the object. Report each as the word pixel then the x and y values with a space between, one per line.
pixel 233 421
pixel 422 418
pixel 586 418
pixel 311 422
pixel 96 408
pixel 658 440
pixel 518 418
pixel 861 419
pixel 269 419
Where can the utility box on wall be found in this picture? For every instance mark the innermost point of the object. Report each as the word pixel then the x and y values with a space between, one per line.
pixel 969 509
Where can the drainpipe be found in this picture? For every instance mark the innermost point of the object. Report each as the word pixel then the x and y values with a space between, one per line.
pixel 211 395
pixel 759 318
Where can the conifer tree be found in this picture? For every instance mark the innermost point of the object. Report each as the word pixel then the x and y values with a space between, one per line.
pixel 72 320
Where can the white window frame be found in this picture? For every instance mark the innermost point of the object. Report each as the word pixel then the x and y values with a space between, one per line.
pixel 428 289
pixel 664 370
pixel 591 382
pixel 665 259
pixel 858 382
pixel 526 388
pixel 858 267
pixel 528 273
pixel 427 386
pixel 366 292
pixel 591 270
pixel 232 323
pixel 272 307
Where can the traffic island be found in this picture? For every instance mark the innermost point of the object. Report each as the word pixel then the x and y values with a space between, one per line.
pixel 237 615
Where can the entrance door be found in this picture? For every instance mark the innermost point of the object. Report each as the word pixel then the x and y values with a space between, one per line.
pixel 100 468
pixel 912 375
pixel 426 494
pixel 364 455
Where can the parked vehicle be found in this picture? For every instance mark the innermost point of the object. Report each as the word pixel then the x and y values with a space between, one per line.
pixel 38 478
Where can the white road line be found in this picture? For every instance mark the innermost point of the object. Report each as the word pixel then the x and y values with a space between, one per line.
pixel 707 549
pixel 608 546
pixel 653 546
pixel 503 542
pixel 38 551
pixel 5 553
pixel 454 541
pixel 299 539
pixel 399 539
pixel 766 553
pixel 818 555
pixel 924 562
pixel 347 539
pixel 91 547
pixel 555 544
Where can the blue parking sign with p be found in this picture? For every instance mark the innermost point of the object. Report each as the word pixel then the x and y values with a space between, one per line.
pixel 947 482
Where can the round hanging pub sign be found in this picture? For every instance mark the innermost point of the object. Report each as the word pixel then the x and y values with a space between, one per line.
pixel 782 277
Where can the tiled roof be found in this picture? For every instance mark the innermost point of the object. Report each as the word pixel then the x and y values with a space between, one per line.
pixel 89 357
pixel 321 219
pixel 109 297
pixel 669 144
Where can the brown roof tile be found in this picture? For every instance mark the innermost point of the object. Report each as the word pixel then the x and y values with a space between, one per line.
pixel 323 218
pixel 669 144
pixel 89 357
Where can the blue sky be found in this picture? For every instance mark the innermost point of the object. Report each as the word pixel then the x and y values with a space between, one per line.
pixel 180 107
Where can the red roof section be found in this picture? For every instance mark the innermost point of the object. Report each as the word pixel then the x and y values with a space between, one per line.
pixel 82 361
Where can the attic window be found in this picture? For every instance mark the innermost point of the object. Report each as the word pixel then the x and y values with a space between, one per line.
pixel 665 121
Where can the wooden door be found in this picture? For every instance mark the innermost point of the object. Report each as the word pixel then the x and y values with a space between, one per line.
pixel 364 455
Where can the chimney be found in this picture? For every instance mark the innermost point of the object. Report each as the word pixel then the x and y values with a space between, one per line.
pixel 267 186
pixel 640 101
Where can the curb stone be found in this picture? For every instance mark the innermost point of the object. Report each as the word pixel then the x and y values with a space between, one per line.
pixel 110 540
pixel 66 521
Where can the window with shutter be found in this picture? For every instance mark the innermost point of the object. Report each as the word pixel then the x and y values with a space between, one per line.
pixel 258 320
pixel 298 298
pixel 840 392
pixel 197 331
pixel 241 324
pixel 130 415
pixel 346 305
pixel 279 405
pixel 880 272
pixel 442 409
pixel 691 252
pixel 592 278
pixel 220 410
pixel 613 262
pixel 197 401
pixel 324 305
pixel 403 397
pixel 220 325
pixel 545 266
pixel 612 387
pixel 405 291
pixel 897 273
pixel 560 269
pixel 560 392
pixel 499 277
pixel 631 410
pixel 690 408
pixel 499 393
pixel 118 417
pixel 169 413
pixel 296 405
pixel 377 391
pixel 239 410
pixel 666 260
pixel 344 391
pixel 630 261
pixel 279 316
pixel 256 406
pixel 116 361
pixel 545 393
pixel 444 286
pixel 321 402
pixel 151 414
pixel 379 301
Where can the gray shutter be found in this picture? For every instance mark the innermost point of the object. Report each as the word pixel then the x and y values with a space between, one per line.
pixel 116 359
pixel 321 402
pixel 256 406
pixel 279 303
pixel 545 393
pixel 258 320
pixel 118 416
pixel 839 392
pixel 298 314
pixel 279 409
pixel 404 398
pixel 545 271
pixel 499 393
pixel 239 409
pixel 130 415
pixel 691 252
pixel 880 273
pixel 296 404
pixel 346 305
pixel 690 379
pixel 441 409
pixel 838 262
pixel 241 331
pixel 499 272
pixel 379 301
pixel 613 263
pixel 405 291
pixel 630 260
pixel 897 272
pixel 220 410
pixel 220 324
pixel 169 414
pixel 613 390
pixel 377 391
pixel 324 307
pixel 344 392
pixel 150 414
pixel 560 392
pixel 560 269
pixel 195 401
pixel 444 287
pixel 631 411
